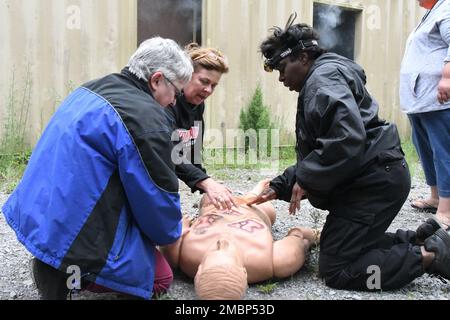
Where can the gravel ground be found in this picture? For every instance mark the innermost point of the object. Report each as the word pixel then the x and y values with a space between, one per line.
pixel 16 283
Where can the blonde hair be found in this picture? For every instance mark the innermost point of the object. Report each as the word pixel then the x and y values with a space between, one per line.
pixel 221 282
pixel 208 58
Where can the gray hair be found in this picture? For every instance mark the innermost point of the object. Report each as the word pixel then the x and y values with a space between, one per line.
pixel 161 55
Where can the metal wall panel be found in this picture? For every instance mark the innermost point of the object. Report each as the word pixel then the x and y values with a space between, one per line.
pixel 238 26
pixel 63 44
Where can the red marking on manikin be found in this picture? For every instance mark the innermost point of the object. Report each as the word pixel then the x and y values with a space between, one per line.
pixel 248 225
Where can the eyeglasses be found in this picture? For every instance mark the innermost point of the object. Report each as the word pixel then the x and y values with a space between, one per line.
pixel 178 92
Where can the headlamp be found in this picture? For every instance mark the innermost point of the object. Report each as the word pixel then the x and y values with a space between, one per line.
pixel 272 63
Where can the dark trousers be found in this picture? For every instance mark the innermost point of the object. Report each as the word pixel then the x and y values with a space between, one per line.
pixel 354 243
pixel 50 282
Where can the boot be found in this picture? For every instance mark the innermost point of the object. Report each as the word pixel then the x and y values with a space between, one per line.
pixel 439 243
pixel 426 230
pixel 50 282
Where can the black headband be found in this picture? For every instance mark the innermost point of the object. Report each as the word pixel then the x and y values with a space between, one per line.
pixel 272 63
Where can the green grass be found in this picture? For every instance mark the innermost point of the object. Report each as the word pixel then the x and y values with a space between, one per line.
pixel 12 168
pixel 288 157
pixel 14 150
pixel 413 159
pixel 267 288
pixel 217 159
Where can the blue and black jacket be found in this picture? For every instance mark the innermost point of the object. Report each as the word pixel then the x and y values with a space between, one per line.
pixel 100 190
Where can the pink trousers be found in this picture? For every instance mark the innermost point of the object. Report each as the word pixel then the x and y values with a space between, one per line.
pixel 162 282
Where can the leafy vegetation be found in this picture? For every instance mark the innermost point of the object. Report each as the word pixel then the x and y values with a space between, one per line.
pixel 267 288
pixel 256 118
pixel 14 150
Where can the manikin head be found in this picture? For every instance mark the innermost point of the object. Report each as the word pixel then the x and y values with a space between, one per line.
pixel 221 275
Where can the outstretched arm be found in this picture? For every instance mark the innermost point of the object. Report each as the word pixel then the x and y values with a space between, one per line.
pixel 172 251
pixel 289 254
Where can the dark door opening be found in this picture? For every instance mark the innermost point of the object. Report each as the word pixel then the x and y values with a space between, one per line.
pixel 337 27
pixel 180 20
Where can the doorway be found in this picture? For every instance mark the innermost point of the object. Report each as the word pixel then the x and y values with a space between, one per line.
pixel 337 28
pixel 180 20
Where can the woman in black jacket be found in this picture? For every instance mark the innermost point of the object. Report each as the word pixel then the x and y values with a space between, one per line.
pixel 350 163
pixel 209 66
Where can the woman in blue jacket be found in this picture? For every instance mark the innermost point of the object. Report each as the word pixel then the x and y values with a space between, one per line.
pixel 100 190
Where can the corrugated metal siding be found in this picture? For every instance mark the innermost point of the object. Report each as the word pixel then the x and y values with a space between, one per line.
pixel 238 26
pixel 38 34
pixel 64 43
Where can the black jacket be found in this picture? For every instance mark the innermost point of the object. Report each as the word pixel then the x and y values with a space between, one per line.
pixel 188 125
pixel 338 132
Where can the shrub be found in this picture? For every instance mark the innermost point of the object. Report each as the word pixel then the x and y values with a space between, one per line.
pixel 256 116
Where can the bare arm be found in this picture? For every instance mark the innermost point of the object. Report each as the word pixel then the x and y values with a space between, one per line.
pixel 444 85
pixel 172 251
pixel 289 254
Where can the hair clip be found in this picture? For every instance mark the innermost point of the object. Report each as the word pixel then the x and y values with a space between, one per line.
pixel 211 55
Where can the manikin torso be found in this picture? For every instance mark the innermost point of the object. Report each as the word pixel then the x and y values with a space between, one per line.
pixel 248 228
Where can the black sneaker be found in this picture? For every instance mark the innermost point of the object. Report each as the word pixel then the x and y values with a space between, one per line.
pixel 426 230
pixel 439 243
pixel 50 282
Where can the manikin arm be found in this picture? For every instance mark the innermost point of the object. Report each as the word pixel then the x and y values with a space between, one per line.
pixel 172 251
pixel 289 254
